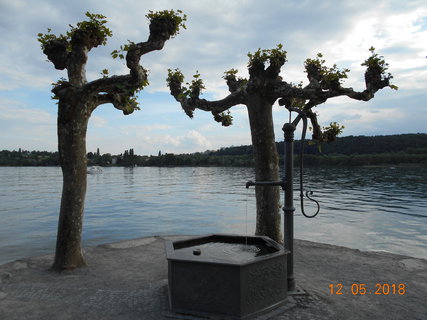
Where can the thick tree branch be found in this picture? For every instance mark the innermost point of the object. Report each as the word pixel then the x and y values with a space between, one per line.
pixel 317 131
pixel 134 54
pixel 103 98
pixel 233 83
pixel 109 84
pixel 276 63
pixel 222 105
pixel 161 30
pixel 315 96
pixel 124 86
pixel 82 41
pixel 117 90
pixel 70 52
pixel 325 83
pixel 315 93
pixel 120 101
pixel 190 102
pixel 56 52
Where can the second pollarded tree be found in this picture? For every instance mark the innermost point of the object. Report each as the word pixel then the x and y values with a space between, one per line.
pixel 264 87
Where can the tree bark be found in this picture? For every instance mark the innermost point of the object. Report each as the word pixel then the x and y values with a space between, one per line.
pixel 72 125
pixel 266 166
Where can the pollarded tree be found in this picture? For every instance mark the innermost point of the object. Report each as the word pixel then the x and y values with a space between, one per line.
pixel 78 98
pixel 258 93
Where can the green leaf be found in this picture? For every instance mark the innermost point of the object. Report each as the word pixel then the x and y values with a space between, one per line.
pixel 177 17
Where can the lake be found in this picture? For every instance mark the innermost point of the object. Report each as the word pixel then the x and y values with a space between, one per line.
pixel 378 208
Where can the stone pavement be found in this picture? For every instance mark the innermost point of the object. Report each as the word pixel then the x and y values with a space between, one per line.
pixel 128 280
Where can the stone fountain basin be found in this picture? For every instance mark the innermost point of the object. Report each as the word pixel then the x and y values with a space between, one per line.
pixel 229 276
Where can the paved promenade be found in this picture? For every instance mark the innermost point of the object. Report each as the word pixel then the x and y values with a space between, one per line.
pixel 128 280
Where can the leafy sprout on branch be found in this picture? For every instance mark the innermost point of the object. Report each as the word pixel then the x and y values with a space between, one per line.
pixel 230 74
pixel 120 53
pixel 95 27
pixel 194 88
pixel 177 19
pixel 329 78
pixel 276 56
pixel 377 65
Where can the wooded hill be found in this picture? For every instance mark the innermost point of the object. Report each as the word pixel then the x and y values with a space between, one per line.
pixel 345 151
pixel 354 150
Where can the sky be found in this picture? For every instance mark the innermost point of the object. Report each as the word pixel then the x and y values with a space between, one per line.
pixel 218 37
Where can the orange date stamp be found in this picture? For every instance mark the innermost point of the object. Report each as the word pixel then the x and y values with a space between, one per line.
pixel 361 289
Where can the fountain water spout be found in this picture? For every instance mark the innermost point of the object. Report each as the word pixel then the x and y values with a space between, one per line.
pixel 266 183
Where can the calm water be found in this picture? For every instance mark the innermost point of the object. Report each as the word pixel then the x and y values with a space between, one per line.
pixel 227 252
pixel 364 208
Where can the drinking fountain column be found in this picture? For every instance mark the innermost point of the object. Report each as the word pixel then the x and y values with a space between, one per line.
pixel 288 208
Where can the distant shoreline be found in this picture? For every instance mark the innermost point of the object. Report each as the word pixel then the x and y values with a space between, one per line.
pixel 384 165
pixel 393 150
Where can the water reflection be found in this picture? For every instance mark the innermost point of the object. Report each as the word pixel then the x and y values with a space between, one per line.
pixel 370 209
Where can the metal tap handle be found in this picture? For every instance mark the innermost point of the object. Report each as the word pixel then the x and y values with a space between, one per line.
pixel 308 194
pixel 302 115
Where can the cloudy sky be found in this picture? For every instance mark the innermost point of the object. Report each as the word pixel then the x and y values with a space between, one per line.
pixel 218 37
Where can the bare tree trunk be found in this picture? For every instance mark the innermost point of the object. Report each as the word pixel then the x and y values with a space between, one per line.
pixel 72 126
pixel 266 167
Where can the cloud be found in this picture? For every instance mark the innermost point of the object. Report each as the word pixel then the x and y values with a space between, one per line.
pixel 98 122
pixel 14 77
pixel 197 139
pixel 368 117
pixel 27 128
pixel 217 39
pixel 191 141
pixel 148 139
pixel 400 37
pixel 14 111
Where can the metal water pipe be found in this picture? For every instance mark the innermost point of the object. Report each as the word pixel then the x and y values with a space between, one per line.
pixel 288 208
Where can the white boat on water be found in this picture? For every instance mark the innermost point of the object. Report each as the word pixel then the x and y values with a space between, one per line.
pixel 94 170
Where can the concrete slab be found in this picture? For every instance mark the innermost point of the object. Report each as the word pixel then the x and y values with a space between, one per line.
pixel 128 280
